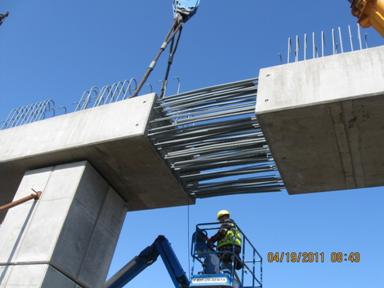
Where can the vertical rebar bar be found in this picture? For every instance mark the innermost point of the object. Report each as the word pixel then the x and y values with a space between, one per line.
pixel 350 38
pixel 341 40
pixel 366 40
pixel 178 85
pixel 322 44
pixel 289 50
pixel 334 49
pixel 305 46
pixel 359 36
pixel 280 58
pixel 313 45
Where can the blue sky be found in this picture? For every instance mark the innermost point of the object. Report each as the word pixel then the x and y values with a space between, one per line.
pixel 56 49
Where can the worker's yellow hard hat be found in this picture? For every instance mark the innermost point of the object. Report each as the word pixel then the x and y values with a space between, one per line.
pixel 222 213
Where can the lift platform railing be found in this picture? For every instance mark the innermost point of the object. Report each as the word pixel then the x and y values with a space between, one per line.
pixel 249 274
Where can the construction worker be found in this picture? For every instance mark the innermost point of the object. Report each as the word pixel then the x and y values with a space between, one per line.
pixel 228 240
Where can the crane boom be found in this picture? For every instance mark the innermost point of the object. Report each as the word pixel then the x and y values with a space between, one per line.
pixel 370 13
pixel 147 257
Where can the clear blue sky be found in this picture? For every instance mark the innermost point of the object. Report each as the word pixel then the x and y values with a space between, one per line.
pixel 56 49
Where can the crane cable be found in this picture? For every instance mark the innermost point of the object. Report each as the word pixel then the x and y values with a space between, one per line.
pixel 189 236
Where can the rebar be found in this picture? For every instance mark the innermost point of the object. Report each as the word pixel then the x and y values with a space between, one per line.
pixel 30 113
pixel 212 141
pixel 114 92
pixel 336 44
pixel 33 196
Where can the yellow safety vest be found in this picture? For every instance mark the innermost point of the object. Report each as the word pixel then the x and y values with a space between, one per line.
pixel 232 237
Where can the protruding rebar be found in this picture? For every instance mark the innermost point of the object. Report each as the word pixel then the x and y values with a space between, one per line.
pixel 33 196
pixel 366 40
pixel 289 50
pixel 29 113
pixel 322 44
pixel 359 36
pixel 114 92
pixel 341 40
pixel 319 47
pixel 313 45
pixel 334 48
pixel 350 38
pixel 305 47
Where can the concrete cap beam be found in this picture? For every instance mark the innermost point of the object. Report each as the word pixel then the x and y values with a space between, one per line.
pixel 111 137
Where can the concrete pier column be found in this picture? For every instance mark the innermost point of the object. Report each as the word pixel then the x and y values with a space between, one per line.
pixel 65 239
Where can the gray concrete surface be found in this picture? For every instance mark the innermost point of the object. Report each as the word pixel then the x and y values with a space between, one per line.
pixel 37 275
pixel 111 137
pixel 66 238
pixel 324 120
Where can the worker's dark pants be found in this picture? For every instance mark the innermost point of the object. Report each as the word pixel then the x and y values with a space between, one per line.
pixel 229 256
pixel 223 259
pixel 212 263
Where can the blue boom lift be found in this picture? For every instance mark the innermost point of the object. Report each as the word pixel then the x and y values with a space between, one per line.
pixel 147 257
pixel 212 271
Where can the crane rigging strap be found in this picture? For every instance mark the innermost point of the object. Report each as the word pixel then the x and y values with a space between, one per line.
pixel 176 26
pixel 183 10
pixel 172 52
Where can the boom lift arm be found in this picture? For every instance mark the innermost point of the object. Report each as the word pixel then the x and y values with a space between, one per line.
pixel 147 257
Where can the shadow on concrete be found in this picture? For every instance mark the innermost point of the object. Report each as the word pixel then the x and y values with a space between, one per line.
pixel 17 242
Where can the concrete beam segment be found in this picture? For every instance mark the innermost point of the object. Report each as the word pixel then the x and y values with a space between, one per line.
pixel 323 120
pixel 68 236
pixel 111 137
pixel 37 275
